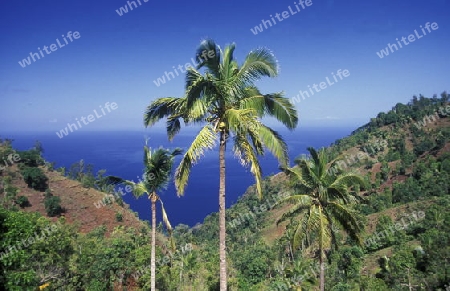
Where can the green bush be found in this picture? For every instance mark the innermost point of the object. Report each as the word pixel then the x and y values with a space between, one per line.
pixel 31 158
pixel 119 216
pixel 35 178
pixel 11 191
pixel 22 201
pixel 53 206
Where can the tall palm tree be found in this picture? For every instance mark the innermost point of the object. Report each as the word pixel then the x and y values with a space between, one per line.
pixel 225 100
pixel 158 167
pixel 325 198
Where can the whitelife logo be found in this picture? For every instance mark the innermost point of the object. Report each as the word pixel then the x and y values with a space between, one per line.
pixel 322 85
pixel 284 15
pixel 90 118
pixel 411 38
pixel 30 239
pixel 12 158
pixel 122 10
pixel 53 48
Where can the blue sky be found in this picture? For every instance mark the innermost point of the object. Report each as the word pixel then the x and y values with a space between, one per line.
pixel 116 58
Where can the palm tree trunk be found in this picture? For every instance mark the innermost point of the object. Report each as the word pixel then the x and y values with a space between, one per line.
pixel 322 271
pixel 222 230
pixel 153 255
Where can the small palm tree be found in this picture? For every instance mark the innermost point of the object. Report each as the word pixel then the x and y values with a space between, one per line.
pixel 158 167
pixel 225 99
pixel 325 200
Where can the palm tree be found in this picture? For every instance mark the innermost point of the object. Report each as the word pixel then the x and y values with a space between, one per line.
pixel 226 101
pixel 158 166
pixel 325 200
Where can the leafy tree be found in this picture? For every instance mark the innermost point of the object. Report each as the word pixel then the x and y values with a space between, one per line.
pixel 424 145
pixel 226 99
pixel 119 217
pixel 252 264
pixel 37 250
pixel 326 201
pixel 53 206
pixel 370 283
pixel 22 201
pixel 384 171
pixel 346 264
pixel 38 147
pixel 35 178
pixel 400 269
pixel 406 192
pixel 31 158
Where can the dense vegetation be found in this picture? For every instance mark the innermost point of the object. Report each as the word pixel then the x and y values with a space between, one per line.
pixel 403 156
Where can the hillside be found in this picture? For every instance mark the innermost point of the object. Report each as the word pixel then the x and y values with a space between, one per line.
pixel 67 230
pixel 78 202
pixel 403 156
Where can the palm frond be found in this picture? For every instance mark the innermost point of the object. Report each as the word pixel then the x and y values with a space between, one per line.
pixel 196 85
pixel 302 234
pixel 197 111
pixel 244 151
pixel 298 199
pixel 211 63
pixel 173 127
pixel 302 202
pixel 206 139
pixel 275 143
pixel 348 219
pixel 340 192
pixel 258 63
pixel 253 99
pixel 138 189
pixel 168 225
pixel 256 142
pixel 308 169
pixel 240 119
pixel 160 108
pixel 176 152
pixel 350 179
pixel 319 160
pixel 282 109
pixel 112 180
pixel 228 64
pixel 324 230
pixel 299 175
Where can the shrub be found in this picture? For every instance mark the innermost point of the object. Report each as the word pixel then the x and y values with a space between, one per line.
pixel 48 193
pixel 31 158
pixel 11 191
pixel 50 166
pixel 22 201
pixel 53 206
pixel 35 178
pixel 119 216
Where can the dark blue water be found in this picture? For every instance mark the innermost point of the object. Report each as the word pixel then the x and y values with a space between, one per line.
pixel 121 154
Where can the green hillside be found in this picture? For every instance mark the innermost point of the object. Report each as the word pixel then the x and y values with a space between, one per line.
pixel 403 157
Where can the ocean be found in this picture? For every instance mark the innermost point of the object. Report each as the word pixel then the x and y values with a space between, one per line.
pixel 121 154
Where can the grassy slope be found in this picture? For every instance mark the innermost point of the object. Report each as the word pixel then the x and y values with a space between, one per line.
pixel 272 232
pixel 77 201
